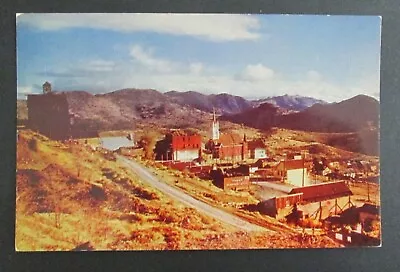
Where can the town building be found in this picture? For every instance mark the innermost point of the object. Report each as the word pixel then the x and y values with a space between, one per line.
pixel 229 147
pixel 232 179
pixel 315 201
pixel 257 149
pixel 324 199
pixel 179 146
pixel 294 172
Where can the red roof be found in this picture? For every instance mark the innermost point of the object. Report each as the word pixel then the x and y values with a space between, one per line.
pixel 230 139
pixel 182 141
pixel 256 144
pixel 292 164
pixel 323 191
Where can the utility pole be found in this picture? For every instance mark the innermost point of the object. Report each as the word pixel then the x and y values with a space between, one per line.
pixel 369 200
pixel 302 156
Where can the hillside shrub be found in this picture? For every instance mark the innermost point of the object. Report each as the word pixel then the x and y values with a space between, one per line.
pixel 33 144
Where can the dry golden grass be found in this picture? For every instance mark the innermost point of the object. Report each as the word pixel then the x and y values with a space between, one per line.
pixel 68 194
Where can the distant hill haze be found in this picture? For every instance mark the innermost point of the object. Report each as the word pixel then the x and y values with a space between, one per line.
pixel 290 103
pixel 223 103
pixel 355 121
pixel 350 115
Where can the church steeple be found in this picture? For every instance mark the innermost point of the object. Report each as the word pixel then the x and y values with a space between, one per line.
pixel 215 128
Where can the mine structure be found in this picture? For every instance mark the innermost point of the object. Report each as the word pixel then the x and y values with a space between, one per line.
pixel 50 114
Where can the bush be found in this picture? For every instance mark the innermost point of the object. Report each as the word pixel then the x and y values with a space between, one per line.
pixel 33 145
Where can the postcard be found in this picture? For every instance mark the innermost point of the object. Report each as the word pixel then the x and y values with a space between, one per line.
pixel 197 131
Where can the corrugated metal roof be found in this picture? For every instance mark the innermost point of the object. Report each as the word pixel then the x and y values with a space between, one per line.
pixel 323 191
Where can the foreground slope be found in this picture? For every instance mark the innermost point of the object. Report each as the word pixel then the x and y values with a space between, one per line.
pixel 69 195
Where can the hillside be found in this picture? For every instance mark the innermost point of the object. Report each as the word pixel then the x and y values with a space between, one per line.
pixel 63 202
pixel 357 113
pixel 290 103
pixel 222 103
pixel 70 195
pixel 350 115
pixel 353 123
pixel 125 109
pixel 262 117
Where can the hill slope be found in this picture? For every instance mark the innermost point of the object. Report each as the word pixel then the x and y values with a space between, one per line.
pixel 358 116
pixel 349 115
pixel 222 103
pixel 262 117
pixel 124 109
pixel 290 102
pixel 69 195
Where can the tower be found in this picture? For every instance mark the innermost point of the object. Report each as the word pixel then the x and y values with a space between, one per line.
pixel 46 87
pixel 215 128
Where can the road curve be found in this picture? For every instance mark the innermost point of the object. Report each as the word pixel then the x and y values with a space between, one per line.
pixel 188 200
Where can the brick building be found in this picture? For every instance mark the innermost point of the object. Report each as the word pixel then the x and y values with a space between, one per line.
pixel 229 147
pixel 179 146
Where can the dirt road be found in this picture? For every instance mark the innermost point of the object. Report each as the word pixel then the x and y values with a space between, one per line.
pixel 186 199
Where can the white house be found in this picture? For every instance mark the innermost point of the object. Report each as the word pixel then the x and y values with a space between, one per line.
pixel 294 172
pixel 257 149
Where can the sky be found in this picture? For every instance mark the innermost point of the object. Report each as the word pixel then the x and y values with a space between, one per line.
pixel 254 56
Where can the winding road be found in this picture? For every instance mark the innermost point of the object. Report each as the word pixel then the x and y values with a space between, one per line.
pixel 188 200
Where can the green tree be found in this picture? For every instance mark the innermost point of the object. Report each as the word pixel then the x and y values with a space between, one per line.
pixel 148 143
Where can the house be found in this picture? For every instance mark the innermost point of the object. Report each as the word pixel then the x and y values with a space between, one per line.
pixel 179 146
pixel 326 171
pixel 293 172
pixel 265 163
pixel 257 149
pixel 334 164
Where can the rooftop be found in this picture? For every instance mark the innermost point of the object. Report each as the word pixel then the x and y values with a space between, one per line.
pixel 230 139
pixel 323 191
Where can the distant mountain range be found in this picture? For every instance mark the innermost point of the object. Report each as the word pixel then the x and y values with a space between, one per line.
pixel 118 109
pixel 123 109
pixel 349 115
pixel 290 103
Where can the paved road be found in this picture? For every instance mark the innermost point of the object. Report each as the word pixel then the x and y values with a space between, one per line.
pixel 186 199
